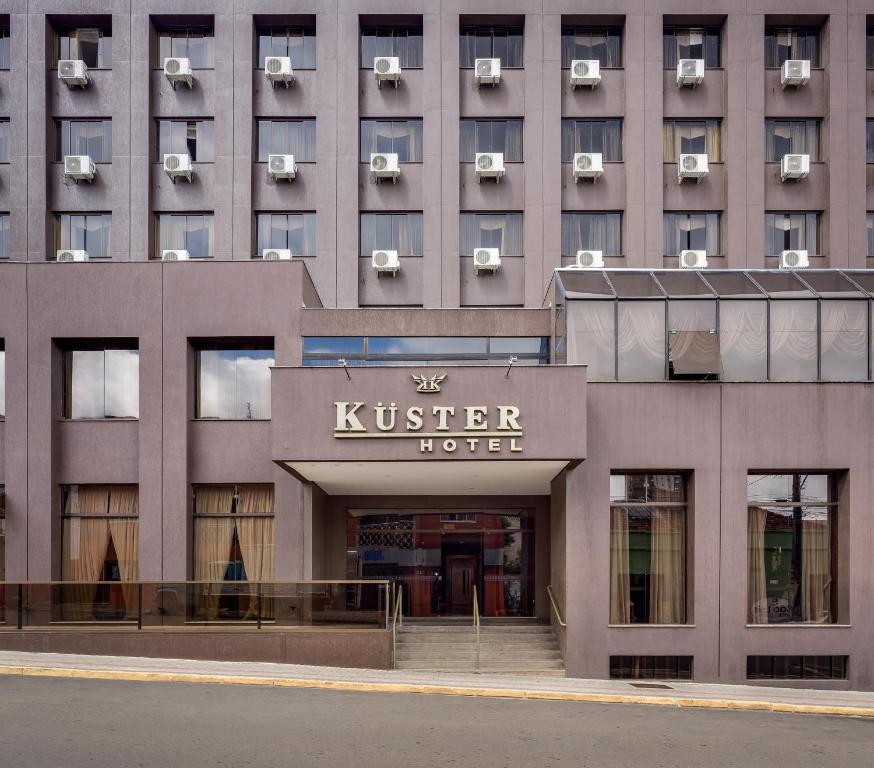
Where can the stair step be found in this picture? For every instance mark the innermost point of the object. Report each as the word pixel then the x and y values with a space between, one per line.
pixel 470 665
pixel 519 656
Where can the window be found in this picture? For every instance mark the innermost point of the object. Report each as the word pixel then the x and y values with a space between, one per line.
pixel 192 232
pixel 5 60
pixel 793 340
pixel 297 42
pixel 502 42
pixel 401 232
pixel 791 231
pixel 405 42
pixel 797 667
pixel 4 141
pixel 869 48
pixel 233 382
pixel 5 236
pixel 287 137
pixel 647 549
pixel 869 141
pixel 491 136
pixel 404 137
pixel 2 380
pixel 784 137
pixel 692 43
pixel 102 382
pixel 650 667
pixel 793 43
pixel 491 230
pixel 84 137
pixel 197 44
pixel 692 231
pixel 604 44
pixel 869 231
pixel 792 560
pixel 83 231
pixel 90 44
pixel 176 137
pixel 295 231
pixel 692 137
pixel 2 545
pixel 591 232
pixel 604 136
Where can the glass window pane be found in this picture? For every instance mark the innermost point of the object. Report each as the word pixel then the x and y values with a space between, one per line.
pixel 234 384
pixel 844 340
pixel 122 383
pixel 86 386
pixel 743 340
pixel 591 332
pixel 641 340
pixel 793 340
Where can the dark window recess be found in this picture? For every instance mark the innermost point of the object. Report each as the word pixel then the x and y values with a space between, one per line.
pixel 791 43
pixel 4 46
pixel 603 44
pixel 650 667
pixel 797 667
pixel 503 42
pixel 694 355
pixel 92 43
pixel 691 43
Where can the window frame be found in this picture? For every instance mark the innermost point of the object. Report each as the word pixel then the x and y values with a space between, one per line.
pixel 608 31
pixel 788 216
pixel 394 30
pixel 774 30
pixel 364 157
pixel 689 214
pixel 307 218
pixel 507 121
pixel 583 122
pixel 61 35
pixel 62 124
pixel 112 345
pixel 221 345
pixel 390 215
pixel 815 157
pixel 305 124
pixel 464 214
pixel 209 216
pixel 59 219
pixel 491 31
pixel 198 124
pixel 263 31
pixel 707 31
pixel 186 32
pixel 610 216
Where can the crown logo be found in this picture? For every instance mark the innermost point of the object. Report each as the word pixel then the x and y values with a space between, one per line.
pixel 428 384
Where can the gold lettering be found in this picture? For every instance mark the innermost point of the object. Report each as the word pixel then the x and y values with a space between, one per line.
pixel 414 418
pixel 347 421
pixel 508 416
pixel 476 415
pixel 443 412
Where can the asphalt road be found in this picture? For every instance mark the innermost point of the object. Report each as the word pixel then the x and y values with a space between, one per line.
pixel 57 723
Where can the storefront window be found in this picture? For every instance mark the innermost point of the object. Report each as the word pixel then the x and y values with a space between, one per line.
pixel 102 383
pixel 233 383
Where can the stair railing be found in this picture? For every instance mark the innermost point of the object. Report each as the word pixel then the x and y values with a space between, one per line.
pixel 476 624
pixel 555 610
pixel 397 621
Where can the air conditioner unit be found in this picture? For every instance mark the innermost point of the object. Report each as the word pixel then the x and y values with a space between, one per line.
pixel 588 165
pixel 174 255
pixel 277 69
pixel 693 259
pixel 692 167
pixel 276 254
pixel 71 255
pixel 385 261
pixel 281 167
pixel 794 72
pixel 690 72
pixel 487 71
pixel 794 260
pixel 178 70
pixel 73 73
pixel 387 68
pixel 590 260
pixel 384 165
pixel 178 166
pixel 489 165
pixel 486 260
pixel 585 72
pixel 79 167
pixel 794 167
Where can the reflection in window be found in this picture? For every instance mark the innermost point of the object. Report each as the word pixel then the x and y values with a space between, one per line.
pixel 491 136
pixel 194 137
pixel 491 230
pixel 296 42
pixel 91 45
pixel 287 137
pixel 603 44
pixel 102 383
pixel 295 231
pixel 591 231
pixel 233 383
pixel 641 340
pixel 403 137
pixel 192 232
pixel 793 231
pixel 692 137
pixel 792 43
pixel 80 231
pixel 401 232
pixel 5 60
pixel 84 137
pixel 783 137
pixel 5 236
pixel 793 340
pixel 491 42
pixel 691 43
pixel 197 44
pixel 604 136
pixel 404 42
pixel 692 231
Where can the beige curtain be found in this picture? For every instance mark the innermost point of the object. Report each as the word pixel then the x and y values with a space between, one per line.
pixel 256 537
pixel 667 586
pixel 815 571
pixel 212 543
pixel 620 585
pixel 757 588
pixel 125 537
pixel 84 549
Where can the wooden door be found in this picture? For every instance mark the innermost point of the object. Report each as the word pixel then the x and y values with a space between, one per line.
pixel 462 577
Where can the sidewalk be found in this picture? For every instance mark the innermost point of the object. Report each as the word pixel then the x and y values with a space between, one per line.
pixel 675 694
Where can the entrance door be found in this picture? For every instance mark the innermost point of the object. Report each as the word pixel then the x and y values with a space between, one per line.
pixel 462 577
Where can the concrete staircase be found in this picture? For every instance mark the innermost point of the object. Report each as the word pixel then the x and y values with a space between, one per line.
pixel 512 647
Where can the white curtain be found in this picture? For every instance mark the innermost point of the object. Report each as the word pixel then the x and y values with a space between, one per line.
pixel 793 340
pixel 491 230
pixel 757 589
pixel 641 340
pixel 844 340
pixel 743 340
pixel 591 336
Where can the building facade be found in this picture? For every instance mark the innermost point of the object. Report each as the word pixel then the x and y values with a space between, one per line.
pixel 378 360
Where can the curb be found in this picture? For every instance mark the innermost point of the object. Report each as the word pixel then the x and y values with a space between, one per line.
pixel 438 690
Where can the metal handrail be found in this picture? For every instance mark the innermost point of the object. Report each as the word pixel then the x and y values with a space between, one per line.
pixel 557 612
pixel 397 620
pixel 476 624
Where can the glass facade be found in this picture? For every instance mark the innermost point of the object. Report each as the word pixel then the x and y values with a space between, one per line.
pixel 233 383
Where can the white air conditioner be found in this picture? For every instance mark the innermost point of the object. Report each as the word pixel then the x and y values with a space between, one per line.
pixel 277 69
pixel 585 72
pixel 794 260
pixel 79 167
pixel 794 167
pixel 588 165
pixel 489 165
pixel 276 254
pixel 692 167
pixel 178 166
pixel 486 259
pixel 178 70
pixel 487 71
pixel 387 68
pixel 281 167
pixel 384 165
pixel 73 73
pixel 795 72
pixel 71 255
pixel 693 259
pixel 385 261
pixel 174 254
pixel 590 260
pixel 690 72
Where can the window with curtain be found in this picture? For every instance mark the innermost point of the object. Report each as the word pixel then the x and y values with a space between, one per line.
pixel 298 42
pixel 869 48
pixel 233 382
pixel 197 44
pixel 869 141
pixel 192 232
pixel 5 60
pixel 491 42
pixel 691 43
pixel 603 44
pixel 491 136
pixel 100 542
pixel 401 232
pixel 604 136
pixel 692 137
pixel 648 549
pixel 843 339
pixel 791 231
pixel 403 137
pixel 783 137
pixel 84 137
pixel 491 230
pixel 88 231
pixel 102 382
pixel 641 340
pixel 791 534
pixel 192 136
pixel 591 338
pixel 591 232
pixel 869 231
pixel 4 141
pixel 791 43
pixel 403 41
pixel 6 236
pixel 295 231
pixel 743 339
pixel 93 45
pixel 695 231
pixel 287 137
pixel 2 379
pixel 793 340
